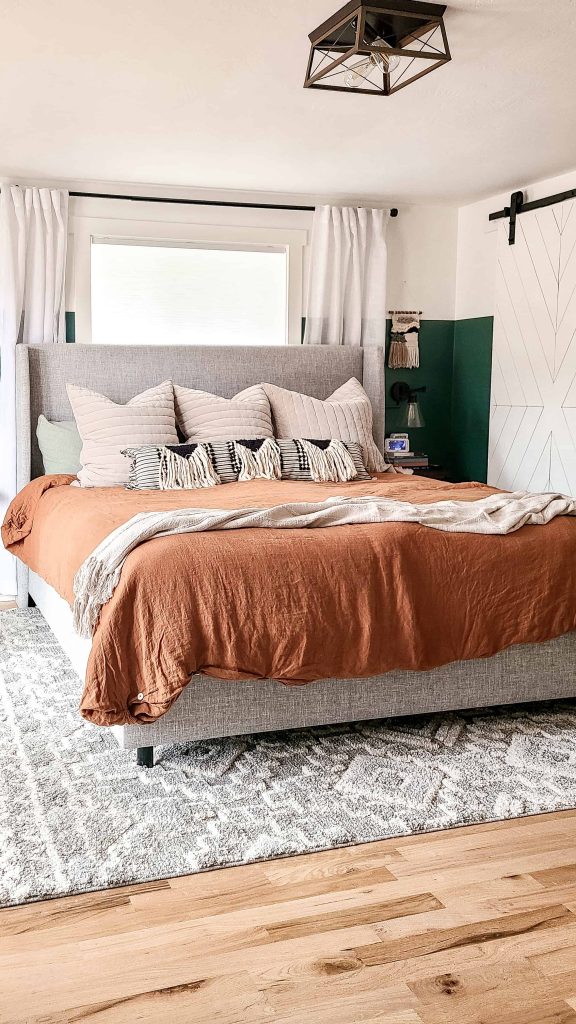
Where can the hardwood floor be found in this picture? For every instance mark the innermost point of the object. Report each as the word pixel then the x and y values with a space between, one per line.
pixel 472 926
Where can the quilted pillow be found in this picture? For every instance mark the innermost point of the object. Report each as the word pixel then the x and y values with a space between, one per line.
pixel 226 459
pixel 106 428
pixel 205 417
pixel 345 415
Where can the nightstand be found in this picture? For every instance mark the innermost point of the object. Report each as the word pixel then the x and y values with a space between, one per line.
pixel 434 472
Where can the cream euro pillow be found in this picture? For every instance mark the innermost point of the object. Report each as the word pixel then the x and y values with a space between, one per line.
pixel 346 416
pixel 205 417
pixel 106 428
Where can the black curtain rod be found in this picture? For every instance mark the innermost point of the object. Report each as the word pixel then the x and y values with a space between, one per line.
pixel 200 202
pixel 517 205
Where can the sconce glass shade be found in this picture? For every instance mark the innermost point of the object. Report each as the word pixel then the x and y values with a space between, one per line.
pixel 411 416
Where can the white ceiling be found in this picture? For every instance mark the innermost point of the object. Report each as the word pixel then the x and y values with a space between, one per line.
pixel 190 93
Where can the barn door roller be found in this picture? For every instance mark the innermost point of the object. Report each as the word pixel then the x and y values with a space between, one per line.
pixel 518 206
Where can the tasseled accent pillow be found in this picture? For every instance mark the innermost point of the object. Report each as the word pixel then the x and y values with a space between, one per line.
pixel 195 469
pixel 330 463
pixel 162 467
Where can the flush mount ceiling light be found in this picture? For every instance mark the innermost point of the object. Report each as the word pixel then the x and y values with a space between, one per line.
pixel 377 47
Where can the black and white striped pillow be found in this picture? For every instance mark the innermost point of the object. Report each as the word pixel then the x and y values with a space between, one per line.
pixel 295 465
pixel 144 472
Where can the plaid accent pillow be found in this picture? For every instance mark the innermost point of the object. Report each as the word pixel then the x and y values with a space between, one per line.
pixel 144 471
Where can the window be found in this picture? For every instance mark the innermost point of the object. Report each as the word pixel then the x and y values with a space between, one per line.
pixel 169 293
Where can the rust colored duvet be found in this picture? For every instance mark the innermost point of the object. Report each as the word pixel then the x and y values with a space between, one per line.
pixel 295 605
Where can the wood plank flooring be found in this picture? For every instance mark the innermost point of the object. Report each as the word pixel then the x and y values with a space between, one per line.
pixel 472 926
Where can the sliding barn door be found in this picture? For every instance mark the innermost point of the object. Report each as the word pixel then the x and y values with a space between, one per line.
pixel 533 413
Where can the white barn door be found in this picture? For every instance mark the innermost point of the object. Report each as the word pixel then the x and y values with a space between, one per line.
pixel 532 443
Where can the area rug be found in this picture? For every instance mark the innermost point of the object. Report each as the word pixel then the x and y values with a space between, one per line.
pixel 77 814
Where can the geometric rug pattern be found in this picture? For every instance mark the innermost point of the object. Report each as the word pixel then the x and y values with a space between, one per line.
pixel 77 814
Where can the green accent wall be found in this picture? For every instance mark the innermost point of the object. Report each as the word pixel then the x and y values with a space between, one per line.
pixel 455 366
pixel 471 397
pixel 435 372
pixel 70 327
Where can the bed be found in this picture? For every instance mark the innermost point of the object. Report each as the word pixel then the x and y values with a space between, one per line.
pixel 212 707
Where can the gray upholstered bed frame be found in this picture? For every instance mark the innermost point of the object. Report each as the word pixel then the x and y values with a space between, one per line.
pixel 210 707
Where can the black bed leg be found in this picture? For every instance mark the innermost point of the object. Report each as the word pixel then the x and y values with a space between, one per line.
pixel 145 757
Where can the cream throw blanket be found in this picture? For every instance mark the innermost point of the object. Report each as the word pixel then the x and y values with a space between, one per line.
pixel 98 576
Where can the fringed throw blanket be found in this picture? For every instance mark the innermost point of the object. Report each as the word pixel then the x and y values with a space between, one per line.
pixel 501 513
pixel 404 349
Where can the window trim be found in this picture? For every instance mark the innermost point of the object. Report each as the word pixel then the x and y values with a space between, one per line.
pixel 122 231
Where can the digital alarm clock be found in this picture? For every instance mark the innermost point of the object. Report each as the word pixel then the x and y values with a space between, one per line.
pixel 397 444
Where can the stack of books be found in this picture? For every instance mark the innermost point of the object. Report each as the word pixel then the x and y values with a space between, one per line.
pixel 408 460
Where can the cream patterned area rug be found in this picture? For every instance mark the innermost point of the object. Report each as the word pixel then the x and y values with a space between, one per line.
pixel 76 814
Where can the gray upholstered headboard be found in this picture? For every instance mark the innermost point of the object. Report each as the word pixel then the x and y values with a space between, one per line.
pixel 122 371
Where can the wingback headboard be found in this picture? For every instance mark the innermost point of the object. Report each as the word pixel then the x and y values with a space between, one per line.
pixel 122 371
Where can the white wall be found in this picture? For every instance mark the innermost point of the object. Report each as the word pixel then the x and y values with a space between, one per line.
pixel 476 248
pixel 422 260
pixel 421 240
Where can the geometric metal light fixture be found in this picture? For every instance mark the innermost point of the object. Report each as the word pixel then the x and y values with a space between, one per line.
pixel 377 48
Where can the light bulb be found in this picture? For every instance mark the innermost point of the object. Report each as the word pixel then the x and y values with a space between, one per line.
pixel 387 62
pixel 380 61
pixel 357 74
pixel 413 417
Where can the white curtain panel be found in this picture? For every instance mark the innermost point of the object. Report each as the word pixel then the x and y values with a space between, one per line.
pixel 347 277
pixel 33 237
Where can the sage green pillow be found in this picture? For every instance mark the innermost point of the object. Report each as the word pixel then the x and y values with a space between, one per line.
pixel 60 445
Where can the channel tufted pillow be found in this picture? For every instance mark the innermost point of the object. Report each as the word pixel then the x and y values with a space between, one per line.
pixel 106 428
pixel 346 416
pixel 205 417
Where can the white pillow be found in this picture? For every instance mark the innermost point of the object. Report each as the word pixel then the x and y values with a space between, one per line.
pixel 106 428
pixel 205 417
pixel 346 415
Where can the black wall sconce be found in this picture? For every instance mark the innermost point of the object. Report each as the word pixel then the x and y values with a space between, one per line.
pixel 411 416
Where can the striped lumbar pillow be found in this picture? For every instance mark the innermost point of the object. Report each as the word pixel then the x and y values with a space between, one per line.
pixel 151 468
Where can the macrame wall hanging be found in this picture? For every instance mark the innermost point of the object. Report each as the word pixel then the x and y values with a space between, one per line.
pixel 404 350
